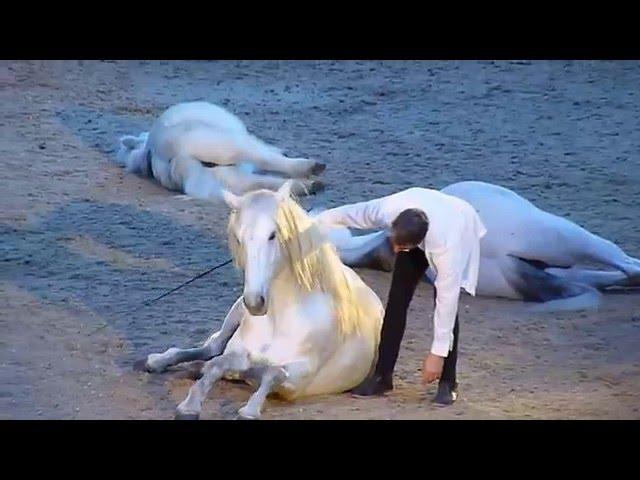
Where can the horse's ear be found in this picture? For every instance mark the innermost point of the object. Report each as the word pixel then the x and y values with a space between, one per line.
pixel 232 200
pixel 284 192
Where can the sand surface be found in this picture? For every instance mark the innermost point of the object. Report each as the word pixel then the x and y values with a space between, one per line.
pixel 83 243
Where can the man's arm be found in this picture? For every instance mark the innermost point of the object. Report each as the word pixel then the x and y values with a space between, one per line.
pixel 362 215
pixel 448 283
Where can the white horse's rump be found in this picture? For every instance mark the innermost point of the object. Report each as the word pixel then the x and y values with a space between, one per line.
pixel 198 149
pixel 305 325
pixel 526 254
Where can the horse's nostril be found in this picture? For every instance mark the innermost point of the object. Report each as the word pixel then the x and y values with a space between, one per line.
pixel 254 303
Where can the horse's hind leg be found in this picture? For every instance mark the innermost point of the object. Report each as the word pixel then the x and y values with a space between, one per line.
pixel 270 158
pixel 606 252
pixel 595 278
pixel 533 284
pixel 213 371
pixel 240 182
pixel 577 246
pixel 215 345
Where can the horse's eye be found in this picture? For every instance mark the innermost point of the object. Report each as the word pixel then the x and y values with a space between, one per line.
pixel 272 236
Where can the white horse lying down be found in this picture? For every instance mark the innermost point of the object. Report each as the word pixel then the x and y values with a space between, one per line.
pixel 305 325
pixel 527 253
pixel 198 149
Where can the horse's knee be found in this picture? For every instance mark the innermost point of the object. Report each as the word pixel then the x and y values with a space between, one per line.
pixel 275 375
pixel 228 362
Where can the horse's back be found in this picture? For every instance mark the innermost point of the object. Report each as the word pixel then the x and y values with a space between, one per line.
pixel 493 202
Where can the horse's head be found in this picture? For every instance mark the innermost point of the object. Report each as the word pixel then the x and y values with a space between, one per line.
pixel 255 242
pixel 269 233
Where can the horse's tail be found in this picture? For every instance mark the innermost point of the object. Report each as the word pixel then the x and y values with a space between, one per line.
pixel 134 154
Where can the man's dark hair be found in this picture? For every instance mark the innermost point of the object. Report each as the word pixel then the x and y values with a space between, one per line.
pixel 410 227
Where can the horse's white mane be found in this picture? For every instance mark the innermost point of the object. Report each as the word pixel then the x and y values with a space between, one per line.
pixel 313 261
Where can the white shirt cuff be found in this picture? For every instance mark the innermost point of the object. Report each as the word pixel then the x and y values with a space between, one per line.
pixel 442 343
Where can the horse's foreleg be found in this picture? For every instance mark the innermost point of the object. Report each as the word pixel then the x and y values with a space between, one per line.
pixel 213 371
pixel 215 345
pixel 296 373
pixel 365 251
pixel 217 342
pixel 270 379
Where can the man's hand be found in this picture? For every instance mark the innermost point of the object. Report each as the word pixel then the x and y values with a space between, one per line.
pixel 432 368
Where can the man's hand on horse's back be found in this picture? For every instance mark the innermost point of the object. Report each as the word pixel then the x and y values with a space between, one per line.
pixel 432 368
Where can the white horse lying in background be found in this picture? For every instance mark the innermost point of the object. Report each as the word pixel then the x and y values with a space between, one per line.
pixel 305 325
pixel 527 253
pixel 198 149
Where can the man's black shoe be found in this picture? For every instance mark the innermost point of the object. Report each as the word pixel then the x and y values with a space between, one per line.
pixel 446 394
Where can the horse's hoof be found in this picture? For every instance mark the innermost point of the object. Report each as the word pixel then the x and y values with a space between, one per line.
pixel 141 365
pixel 245 415
pixel 242 417
pixel 446 395
pixel 316 187
pixel 318 168
pixel 634 278
pixel 187 416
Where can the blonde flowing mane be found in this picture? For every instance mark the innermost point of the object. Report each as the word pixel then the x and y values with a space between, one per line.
pixel 313 261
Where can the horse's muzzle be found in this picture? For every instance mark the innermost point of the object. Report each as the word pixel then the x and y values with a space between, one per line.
pixel 255 304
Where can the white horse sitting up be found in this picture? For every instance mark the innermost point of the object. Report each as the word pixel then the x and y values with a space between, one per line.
pixel 199 149
pixel 305 325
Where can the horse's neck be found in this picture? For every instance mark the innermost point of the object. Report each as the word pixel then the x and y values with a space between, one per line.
pixel 285 288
